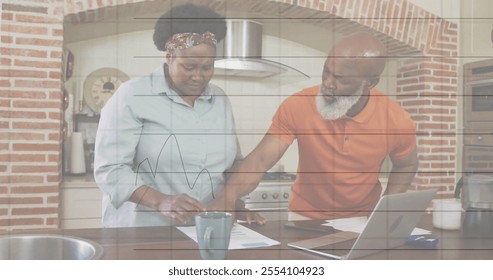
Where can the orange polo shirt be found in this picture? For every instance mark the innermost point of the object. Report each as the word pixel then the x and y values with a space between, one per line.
pixel 340 160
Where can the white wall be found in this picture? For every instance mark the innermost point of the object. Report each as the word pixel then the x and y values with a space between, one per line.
pixel 448 9
pixel 475 30
pixel 124 52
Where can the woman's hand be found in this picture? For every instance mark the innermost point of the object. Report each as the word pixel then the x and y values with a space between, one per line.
pixel 180 207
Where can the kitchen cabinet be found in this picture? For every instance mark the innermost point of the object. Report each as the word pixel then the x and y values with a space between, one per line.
pixel 81 203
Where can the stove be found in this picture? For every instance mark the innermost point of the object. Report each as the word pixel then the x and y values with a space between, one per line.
pixel 271 196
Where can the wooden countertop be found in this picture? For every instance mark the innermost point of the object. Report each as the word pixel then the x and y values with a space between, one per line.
pixel 170 243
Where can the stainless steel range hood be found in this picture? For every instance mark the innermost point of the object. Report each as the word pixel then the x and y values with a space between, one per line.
pixel 240 54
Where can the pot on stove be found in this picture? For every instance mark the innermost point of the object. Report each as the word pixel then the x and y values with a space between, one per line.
pixel 476 193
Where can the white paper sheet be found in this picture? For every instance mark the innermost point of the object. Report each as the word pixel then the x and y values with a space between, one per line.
pixel 241 237
pixel 357 224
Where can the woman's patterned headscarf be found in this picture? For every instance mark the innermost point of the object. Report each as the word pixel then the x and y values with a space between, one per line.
pixel 183 41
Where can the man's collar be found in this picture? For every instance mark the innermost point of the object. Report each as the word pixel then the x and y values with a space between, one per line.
pixel 365 114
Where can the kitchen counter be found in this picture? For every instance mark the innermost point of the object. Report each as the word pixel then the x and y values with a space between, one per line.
pixel 81 197
pixel 170 243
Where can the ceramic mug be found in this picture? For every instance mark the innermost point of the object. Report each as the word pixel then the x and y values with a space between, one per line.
pixel 447 214
pixel 213 234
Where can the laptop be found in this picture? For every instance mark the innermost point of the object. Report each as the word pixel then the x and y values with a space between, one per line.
pixel 389 226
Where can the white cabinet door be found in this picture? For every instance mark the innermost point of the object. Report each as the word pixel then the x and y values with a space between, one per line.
pixel 81 204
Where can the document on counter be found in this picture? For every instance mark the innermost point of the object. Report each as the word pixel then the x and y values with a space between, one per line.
pixel 357 224
pixel 241 237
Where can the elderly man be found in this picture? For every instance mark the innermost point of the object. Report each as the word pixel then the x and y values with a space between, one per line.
pixel 344 129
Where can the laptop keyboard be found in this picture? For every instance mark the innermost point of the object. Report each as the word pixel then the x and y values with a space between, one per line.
pixel 337 249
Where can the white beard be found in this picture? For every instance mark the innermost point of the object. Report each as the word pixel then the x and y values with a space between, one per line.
pixel 339 106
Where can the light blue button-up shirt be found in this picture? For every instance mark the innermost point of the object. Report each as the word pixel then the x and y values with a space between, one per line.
pixel 148 135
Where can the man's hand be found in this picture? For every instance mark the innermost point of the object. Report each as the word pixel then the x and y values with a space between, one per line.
pixel 248 175
pixel 244 214
pixel 250 217
pixel 237 208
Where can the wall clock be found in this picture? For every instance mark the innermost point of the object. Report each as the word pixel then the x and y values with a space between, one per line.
pixel 100 85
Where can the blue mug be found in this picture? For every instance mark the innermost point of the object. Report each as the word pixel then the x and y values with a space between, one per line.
pixel 213 234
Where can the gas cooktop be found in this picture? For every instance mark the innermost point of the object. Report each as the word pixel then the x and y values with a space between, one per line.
pixel 278 176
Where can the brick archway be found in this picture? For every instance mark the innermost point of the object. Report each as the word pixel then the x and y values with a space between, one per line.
pixel 424 44
pixel 31 59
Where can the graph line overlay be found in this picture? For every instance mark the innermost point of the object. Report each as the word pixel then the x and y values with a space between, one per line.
pixel 154 170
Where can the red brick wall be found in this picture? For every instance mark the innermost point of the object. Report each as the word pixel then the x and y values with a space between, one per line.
pixel 426 89
pixel 30 88
pixel 30 113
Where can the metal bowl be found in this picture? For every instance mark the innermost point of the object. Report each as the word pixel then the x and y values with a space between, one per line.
pixel 48 247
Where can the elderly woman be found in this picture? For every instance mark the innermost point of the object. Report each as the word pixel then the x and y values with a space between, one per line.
pixel 165 141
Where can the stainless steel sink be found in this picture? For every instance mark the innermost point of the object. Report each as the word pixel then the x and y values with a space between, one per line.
pixel 48 247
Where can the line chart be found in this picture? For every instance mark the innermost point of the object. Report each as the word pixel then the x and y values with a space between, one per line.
pixel 154 170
